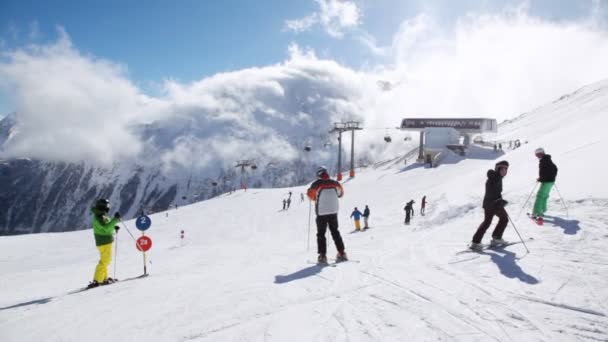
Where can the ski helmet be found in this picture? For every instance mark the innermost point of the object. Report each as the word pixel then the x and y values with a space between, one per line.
pixel 102 204
pixel 503 164
pixel 321 170
pixel 539 150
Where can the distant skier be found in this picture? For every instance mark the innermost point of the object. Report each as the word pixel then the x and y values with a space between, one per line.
pixel 288 202
pixel 495 148
pixel 366 217
pixel 423 205
pixel 325 192
pixel 493 205
pixel 500 146
pixel 547 172
pixel 103 230
pixel 284 204
pixel 357 215
pixel 409 211
pixel 301 197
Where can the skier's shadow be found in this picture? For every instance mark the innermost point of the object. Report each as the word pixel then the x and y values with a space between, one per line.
pixel 301 274
pixel 570 227
pixel 508 267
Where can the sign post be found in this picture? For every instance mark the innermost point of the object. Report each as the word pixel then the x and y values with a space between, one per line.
pixel 144 243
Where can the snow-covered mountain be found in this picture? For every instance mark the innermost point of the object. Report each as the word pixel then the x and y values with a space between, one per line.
pixel 280 122
pixel 241 272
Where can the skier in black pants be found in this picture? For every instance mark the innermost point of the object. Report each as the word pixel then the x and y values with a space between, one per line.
pixel 409 211
pixel 423 205
pixel 325 192
pixel 493 205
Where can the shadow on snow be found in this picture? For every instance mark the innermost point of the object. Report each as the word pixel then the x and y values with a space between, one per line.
pixel 301 274
pixel 570 227
pixel 505 261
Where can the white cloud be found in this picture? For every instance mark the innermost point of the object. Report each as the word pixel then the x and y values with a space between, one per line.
pixel 72 106
pixel 492 65
pixel 303 24
pixel 370 42
pixel 335 16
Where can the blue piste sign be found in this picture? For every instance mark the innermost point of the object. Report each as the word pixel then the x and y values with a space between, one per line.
pixel 143 222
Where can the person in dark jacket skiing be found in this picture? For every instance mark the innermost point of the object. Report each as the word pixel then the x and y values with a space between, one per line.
pixel 423 205
pixel 409 211
pixel 325 192
pixel 547 172
pixel 493 205
pixel 366 217
pixel 103 230
pixel 357 215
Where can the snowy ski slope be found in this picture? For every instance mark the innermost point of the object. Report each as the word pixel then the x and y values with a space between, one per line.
pixel 242 274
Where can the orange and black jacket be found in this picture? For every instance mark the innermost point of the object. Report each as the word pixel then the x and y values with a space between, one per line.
pixel 325 194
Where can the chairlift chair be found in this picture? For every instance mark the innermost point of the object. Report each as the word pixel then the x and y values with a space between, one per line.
pixel 307 148
pixel 253 167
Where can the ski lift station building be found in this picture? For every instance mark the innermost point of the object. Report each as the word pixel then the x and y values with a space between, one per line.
pixel 439 135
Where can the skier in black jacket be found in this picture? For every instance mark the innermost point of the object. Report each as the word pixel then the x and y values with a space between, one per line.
pixel 409 211
pixel 366 217
pixel 493 205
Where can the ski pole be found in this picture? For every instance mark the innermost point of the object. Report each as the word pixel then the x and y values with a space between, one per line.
pixel 563 202
pixel 309 210
pixel 128 231
pixel 513 224
pixel 530 195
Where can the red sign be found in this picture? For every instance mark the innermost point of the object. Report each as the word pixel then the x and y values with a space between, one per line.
pixel 144 243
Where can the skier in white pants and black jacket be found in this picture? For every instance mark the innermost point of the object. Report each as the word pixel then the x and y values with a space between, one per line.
pixel 325 192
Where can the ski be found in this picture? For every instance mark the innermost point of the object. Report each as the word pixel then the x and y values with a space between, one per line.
pixel 321 264
pixel 538 221
pixel 486 246
pixel 86 288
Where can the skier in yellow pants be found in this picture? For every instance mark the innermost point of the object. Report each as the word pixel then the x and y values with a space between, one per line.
pixel 103 229
pixel 357 215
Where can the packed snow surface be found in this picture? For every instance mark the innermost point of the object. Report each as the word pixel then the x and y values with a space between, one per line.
pixel 243 271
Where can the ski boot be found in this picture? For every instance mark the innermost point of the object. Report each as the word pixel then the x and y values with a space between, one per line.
pixel 93 284
pixel 322 259
pixel 498 242
pixel 341 257
pixel 109 281
pixel 477 247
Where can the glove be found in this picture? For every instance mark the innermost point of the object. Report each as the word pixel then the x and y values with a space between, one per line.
pixel 117 215
pixel 501 203
pixel 116 228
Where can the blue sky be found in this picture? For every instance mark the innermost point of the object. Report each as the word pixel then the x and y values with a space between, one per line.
pixel 187 40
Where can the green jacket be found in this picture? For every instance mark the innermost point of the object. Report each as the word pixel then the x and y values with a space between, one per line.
pixel 103 227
